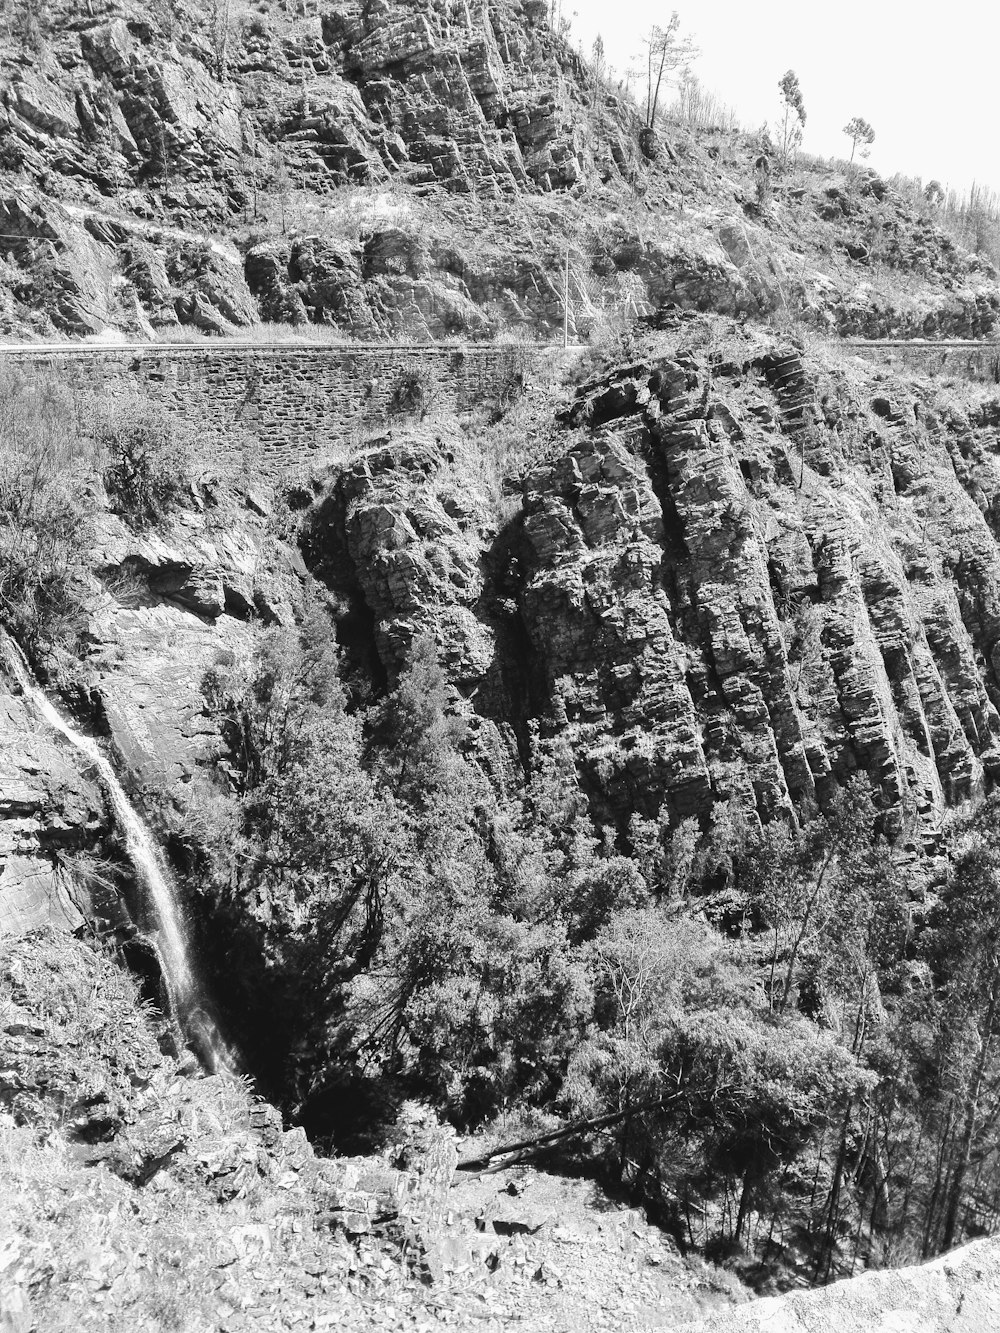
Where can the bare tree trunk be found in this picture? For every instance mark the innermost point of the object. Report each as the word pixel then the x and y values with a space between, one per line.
pixel 744 1208
pixel 659 80
pixel 833 1200
pixel 806 916
pixel 939 1174
pixel 969 1125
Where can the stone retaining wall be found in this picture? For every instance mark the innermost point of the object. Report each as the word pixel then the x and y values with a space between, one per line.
pixel 294 404
pixel 977 361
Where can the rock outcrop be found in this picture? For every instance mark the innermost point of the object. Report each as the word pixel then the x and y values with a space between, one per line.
pixel 746 575
pixel 189 599
pixel 465 97
pixel 401 540
pixel 751 573
pixel 591 600
pixel 959 1292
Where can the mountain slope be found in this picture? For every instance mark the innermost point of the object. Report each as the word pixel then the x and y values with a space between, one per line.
pixel 401 172
pixel 623 753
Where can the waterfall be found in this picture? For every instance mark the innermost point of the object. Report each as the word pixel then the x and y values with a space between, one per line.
pixel 188 1003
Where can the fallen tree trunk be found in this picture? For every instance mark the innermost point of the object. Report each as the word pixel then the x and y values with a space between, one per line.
pixel 474 1167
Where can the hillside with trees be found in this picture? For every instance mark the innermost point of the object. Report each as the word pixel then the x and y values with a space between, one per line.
pixel 579 811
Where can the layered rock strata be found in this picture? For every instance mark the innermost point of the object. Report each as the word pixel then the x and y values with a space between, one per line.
pixel 743 574
pixel 464 97
pixel 413 171
pixel 787 596
pixel 742 577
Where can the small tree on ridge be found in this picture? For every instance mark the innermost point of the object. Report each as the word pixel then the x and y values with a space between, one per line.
pixel 859 132
pixel 665 52
pixel 793 116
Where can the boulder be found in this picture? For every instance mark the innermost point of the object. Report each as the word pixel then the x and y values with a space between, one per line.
pixel 959 1292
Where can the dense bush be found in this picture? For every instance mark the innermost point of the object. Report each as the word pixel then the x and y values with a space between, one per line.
pixel 415 394
pixel 57 447
pixel 733 1004
pixel 47 505
pixel 146 460
pixel 359 841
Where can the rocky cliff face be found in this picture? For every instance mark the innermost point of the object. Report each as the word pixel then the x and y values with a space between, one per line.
pixel 746 573
pixel 179 119
pixel 412 172
pixel 163 609
pixel 728 568
pixel 466 101
pixel 785 617
pixel 739 571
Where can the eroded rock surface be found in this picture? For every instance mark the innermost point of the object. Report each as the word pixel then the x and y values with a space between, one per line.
pixel 957 1293
pixel 195 596
pixel 772 581
pixel 402 541
pixel 743 576
pixel 464 95
pixel 47 810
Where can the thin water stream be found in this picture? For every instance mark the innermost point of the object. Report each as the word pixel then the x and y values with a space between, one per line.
pixel 188 1003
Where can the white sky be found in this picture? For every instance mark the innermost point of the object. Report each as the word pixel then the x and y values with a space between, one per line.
pixel 926 77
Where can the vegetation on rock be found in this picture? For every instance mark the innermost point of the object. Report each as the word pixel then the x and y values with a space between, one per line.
pixel 608 772
pixel 429 860
pixel 750 1004
pixel 46 510
pixel 146 462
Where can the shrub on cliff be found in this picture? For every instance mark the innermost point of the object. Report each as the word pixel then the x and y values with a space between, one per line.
pixel 311 847
pixel 717 1098
pixel 391 903
pixel 93 1045
pixel 487 994
pixel 721 993
pixel 146 460
pixel 47 505
pixel 400 925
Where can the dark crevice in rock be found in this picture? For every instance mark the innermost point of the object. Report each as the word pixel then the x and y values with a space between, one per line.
pixel 144 964
pixel 325 550
pixel 356 638
pixel 514 692
pixel 675 567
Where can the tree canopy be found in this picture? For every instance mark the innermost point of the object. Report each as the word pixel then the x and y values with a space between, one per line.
pixel 859 132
